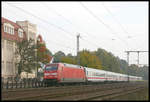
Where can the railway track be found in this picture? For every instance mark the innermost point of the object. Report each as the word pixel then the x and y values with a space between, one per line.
pixel 100 94
pixel 115 93
pixel 83 92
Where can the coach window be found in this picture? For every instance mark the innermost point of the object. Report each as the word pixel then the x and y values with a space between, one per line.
pixel 90 74
pixel 96 74
pixel 101 74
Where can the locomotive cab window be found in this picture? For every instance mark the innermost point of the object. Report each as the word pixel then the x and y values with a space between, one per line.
pixel 51 68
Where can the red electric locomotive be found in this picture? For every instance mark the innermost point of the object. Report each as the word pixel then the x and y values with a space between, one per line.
pixel 64 73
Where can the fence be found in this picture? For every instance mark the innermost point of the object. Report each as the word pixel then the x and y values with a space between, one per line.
pixel 11 82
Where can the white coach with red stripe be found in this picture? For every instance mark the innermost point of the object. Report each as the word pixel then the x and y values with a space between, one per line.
pixel 95 75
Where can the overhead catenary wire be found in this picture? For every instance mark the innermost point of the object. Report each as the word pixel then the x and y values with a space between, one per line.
pixel 52 9
pixel 47 22
pixel 107 26
pixel 39 19
pixel 90 43
pixel 115 18
pixel 67 20
pixel 60 45
pixel 61 15
pixel 117 21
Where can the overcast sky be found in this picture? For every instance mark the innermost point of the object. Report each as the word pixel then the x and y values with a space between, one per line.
pixel 113 26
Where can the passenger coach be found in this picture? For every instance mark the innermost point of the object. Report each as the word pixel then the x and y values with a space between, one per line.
pixel 95 75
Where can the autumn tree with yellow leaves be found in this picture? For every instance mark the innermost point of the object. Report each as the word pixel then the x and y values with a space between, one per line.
pixel 89 59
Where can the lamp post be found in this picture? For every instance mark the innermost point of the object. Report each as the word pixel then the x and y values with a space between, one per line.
pixel 78 55
pixel 128 65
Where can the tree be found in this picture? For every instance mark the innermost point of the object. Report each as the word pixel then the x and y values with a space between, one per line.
pixel 43 54
pixel 138 71
pixel 48 52
pixel 70 55
pixel 108 60
pixel 89 59
pixel 104 57
pixel 66 59
pixel 123 66
pixel 144 72
pixel 57 56
pixel 133 69
pixel 25 52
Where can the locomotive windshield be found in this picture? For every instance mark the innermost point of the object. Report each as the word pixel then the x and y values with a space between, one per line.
pixel 50 68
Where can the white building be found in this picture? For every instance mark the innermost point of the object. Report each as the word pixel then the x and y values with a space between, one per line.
pixel 11 33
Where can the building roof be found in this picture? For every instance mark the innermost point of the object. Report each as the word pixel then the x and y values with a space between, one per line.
pixel 7 36
pixel 4 20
